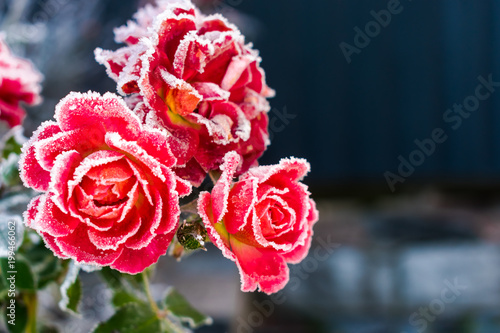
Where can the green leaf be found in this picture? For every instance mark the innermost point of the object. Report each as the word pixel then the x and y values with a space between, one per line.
pixel 121 297
pixel 37 253
pixel 48 271
pixel 48 329
pixel 11 146
pixel 71 290
pixel 3 289
pixel 45 266
pixel 74 294
pixel 131 318
pixel 113 278
pixel 178 306
pixel 18 271
pixel 16 318
pixel 122 281
pixel 9 170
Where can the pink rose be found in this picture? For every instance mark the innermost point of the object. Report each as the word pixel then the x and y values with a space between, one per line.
pixel 261 222
pixel 111 198
pixel 200 78
pixel 19 82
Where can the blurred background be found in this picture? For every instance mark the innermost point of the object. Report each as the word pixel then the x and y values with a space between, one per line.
pixel 395 105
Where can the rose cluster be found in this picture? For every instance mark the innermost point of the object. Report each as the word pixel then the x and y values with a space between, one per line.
pixel 112 169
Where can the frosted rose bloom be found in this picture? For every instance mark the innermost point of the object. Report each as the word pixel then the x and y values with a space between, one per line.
pixel 204 84
pixel 19 83
pixel 261 222
pixel 110 197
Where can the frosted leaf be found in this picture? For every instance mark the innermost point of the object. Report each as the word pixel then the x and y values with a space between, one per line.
pixel 70 279
pixel 88 268
pixel 14 204
pixel 15 133
pixel 11 234
pixel 9 173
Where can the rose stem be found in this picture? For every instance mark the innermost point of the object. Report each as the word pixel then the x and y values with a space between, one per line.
pixel 147 288
pixel 160 314
pixel 31 301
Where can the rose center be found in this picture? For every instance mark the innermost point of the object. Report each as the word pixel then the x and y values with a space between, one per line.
pixel 103 197
pixel 276 216
pixel 274 220
pixel 99 203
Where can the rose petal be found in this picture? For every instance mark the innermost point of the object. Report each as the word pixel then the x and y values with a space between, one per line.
pixel 292 168
pixel 116 141
pixel 78 246
pixel 263 268
pixel 32 174
pixel 242 199
pixel 114 61
pixel 220 192
pixel 135 261
pixel 86 205
pixel 181 98
pixel 19 82
pixel 235 70
pixel 51 220
pixel 63 169
pixel 30 213
pixel 192 172
pixel 108 113
pixel 152 219
pixel 96 159
pixel 50 243
pixel 81 140
pixel 156 143
pixel 113 238
pixel 300 252
pixel 216 231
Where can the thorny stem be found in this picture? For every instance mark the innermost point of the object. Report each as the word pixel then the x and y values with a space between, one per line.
pixel 161 314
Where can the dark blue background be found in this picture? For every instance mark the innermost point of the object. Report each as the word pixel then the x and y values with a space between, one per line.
pixel 352 120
